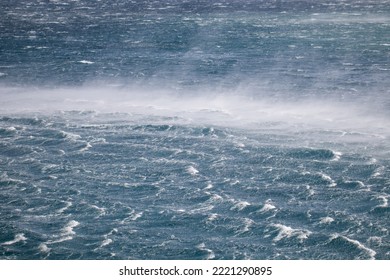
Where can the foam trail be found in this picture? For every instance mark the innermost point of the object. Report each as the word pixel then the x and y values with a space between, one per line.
pixel 18 238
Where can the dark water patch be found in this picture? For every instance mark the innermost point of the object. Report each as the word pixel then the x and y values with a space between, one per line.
pixel 311 154
pixel 154 128
pixel 381 211
pixel 15 151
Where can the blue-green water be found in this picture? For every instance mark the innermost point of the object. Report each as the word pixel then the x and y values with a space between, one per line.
pixel 194 129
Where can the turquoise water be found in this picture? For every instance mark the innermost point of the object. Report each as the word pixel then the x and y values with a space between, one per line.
pixel 194 129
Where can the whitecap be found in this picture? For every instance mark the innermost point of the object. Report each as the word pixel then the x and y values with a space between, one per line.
pixel 378 172
pixel 68 229
pixel 326 220
pixel 70 136
pixel 132 217
pixel 288 232
pixel 67 233
pixel 268 206
pixel 375 240
pixel 240 205
pixel 310 190
pixel 101 210
pixel 68 204
pixel 50 168
pixel 62 239
pixel 240 145
pixel 336 156
pixel 86 148
pixel 43 248
pixel 136 216
pixel 212 217
pixel 385 201
pixel 215 198
pixel 192 170
pixel 247 223
pixel 372 161
pixel 332 183
pixel 210 252
pixel 18 237
pixel 358 183
pixel 11 128
pixel 106 242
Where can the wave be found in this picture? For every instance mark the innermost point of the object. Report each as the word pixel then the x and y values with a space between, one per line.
pixel 345 241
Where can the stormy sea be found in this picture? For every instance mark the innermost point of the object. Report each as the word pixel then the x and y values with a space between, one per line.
pixel 194 129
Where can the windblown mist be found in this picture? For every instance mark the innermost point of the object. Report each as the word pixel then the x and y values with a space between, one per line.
pixel 191 129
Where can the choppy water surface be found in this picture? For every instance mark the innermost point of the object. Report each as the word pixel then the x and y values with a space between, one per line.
pixel 194 130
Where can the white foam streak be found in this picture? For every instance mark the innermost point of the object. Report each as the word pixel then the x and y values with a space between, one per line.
pixel 86 62
pixel 18 238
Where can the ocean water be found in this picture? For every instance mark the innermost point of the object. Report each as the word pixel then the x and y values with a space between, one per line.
pixel 194 129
